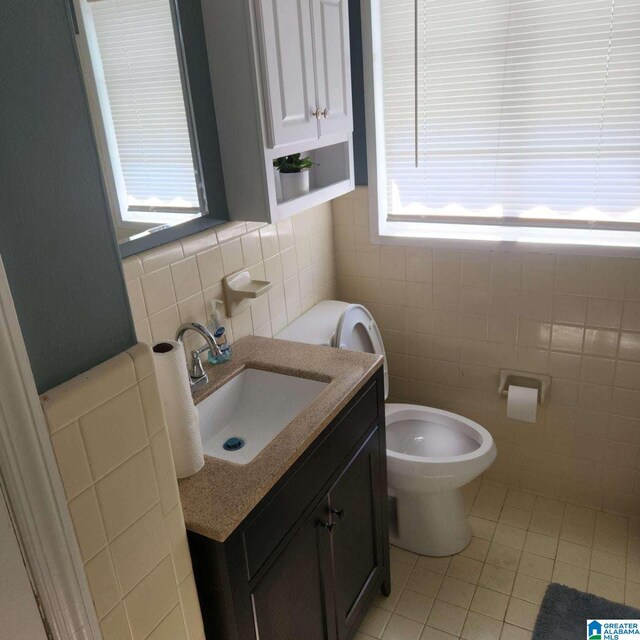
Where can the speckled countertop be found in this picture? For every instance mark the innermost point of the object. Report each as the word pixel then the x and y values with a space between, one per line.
pixel 220 496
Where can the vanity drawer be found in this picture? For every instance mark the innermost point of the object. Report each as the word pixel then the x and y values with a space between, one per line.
pixel 281 512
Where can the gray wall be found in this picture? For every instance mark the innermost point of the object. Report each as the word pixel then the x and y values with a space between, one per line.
pixel 56 237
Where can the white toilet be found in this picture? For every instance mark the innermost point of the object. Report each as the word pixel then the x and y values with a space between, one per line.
pixel 431 453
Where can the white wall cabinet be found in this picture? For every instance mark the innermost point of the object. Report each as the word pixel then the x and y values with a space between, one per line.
pixel 289 75
pixel 333 66
pixel 281 76
pixel 307 77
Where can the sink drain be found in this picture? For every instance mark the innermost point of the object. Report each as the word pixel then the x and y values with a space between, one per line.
pixel 233 444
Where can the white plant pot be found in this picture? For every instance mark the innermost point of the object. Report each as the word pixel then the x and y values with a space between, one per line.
pixel 294 185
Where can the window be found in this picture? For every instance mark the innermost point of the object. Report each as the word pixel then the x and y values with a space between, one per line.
pixel 137 79
pixel 509 119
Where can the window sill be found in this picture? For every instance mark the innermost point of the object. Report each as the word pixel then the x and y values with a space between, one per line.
pixel 150 240
pixel 168 218
pixel 534 239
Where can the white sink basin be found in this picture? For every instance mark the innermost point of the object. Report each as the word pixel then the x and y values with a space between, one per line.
pixel 254 407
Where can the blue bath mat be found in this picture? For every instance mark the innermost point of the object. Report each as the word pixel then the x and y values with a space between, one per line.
pixel 564 613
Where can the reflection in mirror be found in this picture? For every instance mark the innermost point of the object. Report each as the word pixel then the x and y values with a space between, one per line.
pixel 142 116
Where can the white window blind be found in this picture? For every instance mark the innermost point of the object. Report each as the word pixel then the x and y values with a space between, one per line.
pixel 511 110
pixel 142 76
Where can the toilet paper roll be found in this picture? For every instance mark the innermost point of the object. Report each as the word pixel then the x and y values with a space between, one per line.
pixel 180 412
pixel 522 403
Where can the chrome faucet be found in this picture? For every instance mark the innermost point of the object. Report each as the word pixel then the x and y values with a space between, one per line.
pixel 197 375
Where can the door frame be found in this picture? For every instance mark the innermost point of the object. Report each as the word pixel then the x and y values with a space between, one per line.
pixel 34 492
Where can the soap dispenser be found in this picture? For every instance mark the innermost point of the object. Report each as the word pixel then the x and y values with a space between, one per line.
pixel 216 328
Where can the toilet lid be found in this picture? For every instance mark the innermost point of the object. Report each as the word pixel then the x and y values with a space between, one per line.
pixel 358 331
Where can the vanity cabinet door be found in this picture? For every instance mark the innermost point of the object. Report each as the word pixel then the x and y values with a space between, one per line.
pixel 293 600
pixel 333 65
pixel 289 76
pixel 355 502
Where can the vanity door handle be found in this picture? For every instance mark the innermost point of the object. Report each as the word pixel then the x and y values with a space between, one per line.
pixel 328 525
pixel 325 113
pixel 317 113
pixel 339 512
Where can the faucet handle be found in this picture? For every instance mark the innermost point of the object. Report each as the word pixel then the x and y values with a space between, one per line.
pixel 197 370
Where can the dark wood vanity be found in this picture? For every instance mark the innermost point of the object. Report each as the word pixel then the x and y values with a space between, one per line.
pixel 308 560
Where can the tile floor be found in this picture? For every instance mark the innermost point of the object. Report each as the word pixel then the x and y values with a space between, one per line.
pixel 492 590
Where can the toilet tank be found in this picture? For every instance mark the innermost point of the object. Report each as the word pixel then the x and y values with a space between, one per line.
pixel 316 326
pixel 319 326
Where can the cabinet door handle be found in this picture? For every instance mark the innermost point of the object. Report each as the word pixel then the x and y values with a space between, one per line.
pixel 325 113
pixel 339 512
pixel 317 113
pixel 328 525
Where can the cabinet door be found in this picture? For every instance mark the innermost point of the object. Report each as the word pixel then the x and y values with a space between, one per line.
pixel 289 79
pixel 294 599
pixel 355 502
pixel 333 65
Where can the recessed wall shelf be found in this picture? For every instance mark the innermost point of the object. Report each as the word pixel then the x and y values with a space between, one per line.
pixel 313 198
pixel 329 178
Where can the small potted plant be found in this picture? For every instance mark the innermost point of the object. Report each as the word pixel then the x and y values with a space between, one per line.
pixel 294 175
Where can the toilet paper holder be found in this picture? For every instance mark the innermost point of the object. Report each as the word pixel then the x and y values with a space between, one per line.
pixel 538 381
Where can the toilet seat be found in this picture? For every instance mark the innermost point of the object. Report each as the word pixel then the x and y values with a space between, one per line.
pixel 462 451
pixel 455 438
pixel 426 438
pixel 358 331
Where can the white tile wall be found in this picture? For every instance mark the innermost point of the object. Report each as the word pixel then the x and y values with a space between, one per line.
pixel 452 319
pixel 112 448
pixel 174 283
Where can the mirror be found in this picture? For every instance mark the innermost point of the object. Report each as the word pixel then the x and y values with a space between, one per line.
pixel 147 76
